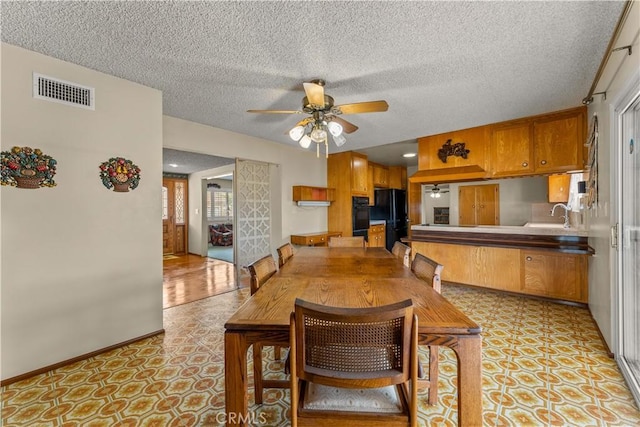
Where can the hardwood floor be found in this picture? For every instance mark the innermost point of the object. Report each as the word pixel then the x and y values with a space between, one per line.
pixel 189 278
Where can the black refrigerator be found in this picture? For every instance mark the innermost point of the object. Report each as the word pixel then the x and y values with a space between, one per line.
pixel 391 206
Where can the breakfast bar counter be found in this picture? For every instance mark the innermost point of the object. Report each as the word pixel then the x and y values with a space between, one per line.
pixel 547 262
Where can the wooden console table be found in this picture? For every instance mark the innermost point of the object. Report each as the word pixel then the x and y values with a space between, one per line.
pixel 314 239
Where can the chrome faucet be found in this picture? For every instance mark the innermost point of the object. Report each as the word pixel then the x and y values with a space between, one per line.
pixel 566 213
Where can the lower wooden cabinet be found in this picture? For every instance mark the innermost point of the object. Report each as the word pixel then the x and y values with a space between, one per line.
pixel 532 272
pixel 314 239
pixel 554 274
pixel 377 236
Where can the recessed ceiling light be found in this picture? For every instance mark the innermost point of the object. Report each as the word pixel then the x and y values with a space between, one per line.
pixel 173 165
pixel 409 155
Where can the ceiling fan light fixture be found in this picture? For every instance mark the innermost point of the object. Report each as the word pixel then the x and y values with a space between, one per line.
pixel 296 133
pixel 318 134
pixel 335 128
pixel 339 140
pixel 305 141
pixel 435 195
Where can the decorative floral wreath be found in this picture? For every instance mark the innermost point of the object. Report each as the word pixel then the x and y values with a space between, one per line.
pixel 118 172
pixel 22 164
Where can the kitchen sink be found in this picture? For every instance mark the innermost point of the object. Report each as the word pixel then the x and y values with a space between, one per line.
pixel 543 225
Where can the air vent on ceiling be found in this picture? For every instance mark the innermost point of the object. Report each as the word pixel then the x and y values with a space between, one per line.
pixel 56 90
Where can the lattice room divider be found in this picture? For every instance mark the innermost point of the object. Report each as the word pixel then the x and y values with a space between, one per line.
pixel 252 233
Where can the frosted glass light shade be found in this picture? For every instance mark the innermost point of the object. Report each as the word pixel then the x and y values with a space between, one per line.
pixel 305 141
pixel 335 128
pixel 296 133
pixel 339 140
pixel 318 134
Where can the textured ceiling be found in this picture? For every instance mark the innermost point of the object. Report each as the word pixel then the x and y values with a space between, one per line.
pixel 440 65
pixel 176 161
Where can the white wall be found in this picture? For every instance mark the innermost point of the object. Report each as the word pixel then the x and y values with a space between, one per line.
pixel 296 167
pixel 621 71
pixel 81 265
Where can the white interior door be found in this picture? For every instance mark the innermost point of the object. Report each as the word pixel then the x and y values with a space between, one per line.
pixel 629 246
pixel 253 213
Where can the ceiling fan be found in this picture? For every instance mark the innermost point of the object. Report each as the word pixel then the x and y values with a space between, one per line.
pixel 324 117
pixel 436 191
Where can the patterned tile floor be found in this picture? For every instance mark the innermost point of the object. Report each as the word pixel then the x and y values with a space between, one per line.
pixel 543 365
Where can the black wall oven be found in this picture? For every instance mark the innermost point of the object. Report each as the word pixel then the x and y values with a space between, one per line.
pixel 361 216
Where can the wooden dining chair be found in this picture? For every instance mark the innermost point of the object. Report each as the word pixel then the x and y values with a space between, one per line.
pixel 429 270
pixel 402 251
pixel 347 242
pixel 354 366
pixel 260 271
pixel 285 252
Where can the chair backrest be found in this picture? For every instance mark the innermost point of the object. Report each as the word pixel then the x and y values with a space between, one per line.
pixel 347 242
pixel 261 270
pixel 428 270
pixel 354 347
pixel 284 253
pixel 403 252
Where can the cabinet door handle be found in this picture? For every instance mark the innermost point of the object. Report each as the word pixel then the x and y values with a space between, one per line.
pixel 543 162
pixel 529 258
pixel 525 164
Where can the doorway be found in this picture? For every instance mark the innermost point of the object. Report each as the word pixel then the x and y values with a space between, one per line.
pixel 174 216
pixel 628 245
pixel 220 218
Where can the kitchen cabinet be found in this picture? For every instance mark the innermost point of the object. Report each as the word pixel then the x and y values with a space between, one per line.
pixel 558 186
pixel 550 274
pixel 475 164
pixel 371 189
pixel 380 176
pixel 511 150
pixel 496 268
pixel 555 275
pixel 398 177
pixel 536 145
pixel 558 142
pixel 377 236
pixel 479 204
pixel 347 173
pixel 316 194
pixel 314 239
pixel 359 169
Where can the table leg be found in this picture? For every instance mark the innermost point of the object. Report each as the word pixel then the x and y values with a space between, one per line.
pixel 469 351
pixel 235 378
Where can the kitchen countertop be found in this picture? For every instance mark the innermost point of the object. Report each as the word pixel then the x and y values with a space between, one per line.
pixel 377 222
pixel 503 229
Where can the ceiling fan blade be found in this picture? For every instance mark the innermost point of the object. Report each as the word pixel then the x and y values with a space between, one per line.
pixel 315 94
pixel 347 127
pixel 275 111
pixel 363 107
pixel 304 122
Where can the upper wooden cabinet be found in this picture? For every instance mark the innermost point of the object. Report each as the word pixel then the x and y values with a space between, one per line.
pixel 371 189
pixel 398 177
pixel 359 165
pixel 537 145
pixel 380 175
pixel 475 164
pixel 512 149
pixel 316 194
pixel 558 186
pixel 559 141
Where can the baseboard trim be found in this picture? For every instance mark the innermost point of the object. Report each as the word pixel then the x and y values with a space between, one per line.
pixel 27 375
pixel 604 342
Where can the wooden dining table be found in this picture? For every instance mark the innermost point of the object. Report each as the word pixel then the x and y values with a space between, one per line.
pixel 349 277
